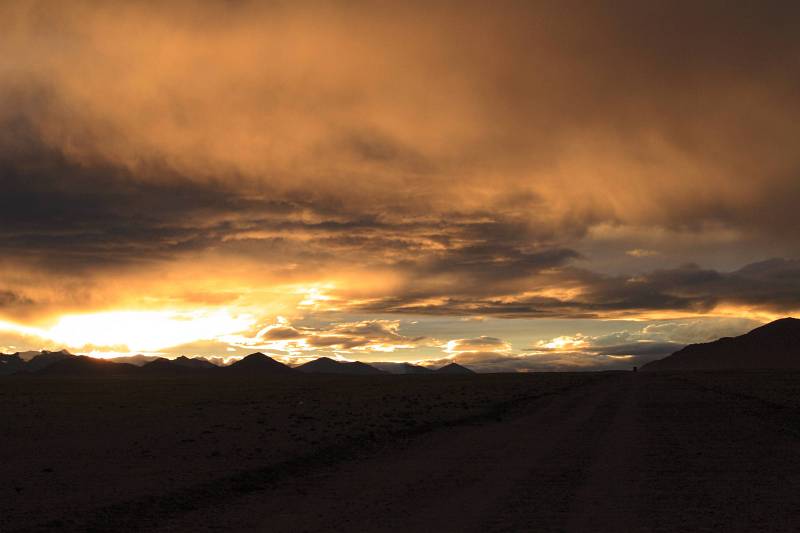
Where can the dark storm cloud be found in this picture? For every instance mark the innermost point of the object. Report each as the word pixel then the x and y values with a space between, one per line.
pixel 772 285
pixel 71 215
pixel 572 113
pixel 68 215
pixel 644 348
pixel 461 151
pixel 488 261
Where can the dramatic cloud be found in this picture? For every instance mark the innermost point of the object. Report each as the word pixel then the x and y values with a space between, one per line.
pixel 351 162
pixel 770 286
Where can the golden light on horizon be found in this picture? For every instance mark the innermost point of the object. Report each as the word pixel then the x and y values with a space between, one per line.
pixel 145 331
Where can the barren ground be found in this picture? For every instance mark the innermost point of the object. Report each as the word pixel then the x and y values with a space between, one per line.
pixel 542 452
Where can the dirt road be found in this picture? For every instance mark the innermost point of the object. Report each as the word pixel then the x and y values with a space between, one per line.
pixel 636 453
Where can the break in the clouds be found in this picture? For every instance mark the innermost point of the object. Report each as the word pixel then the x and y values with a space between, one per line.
pixel 366 162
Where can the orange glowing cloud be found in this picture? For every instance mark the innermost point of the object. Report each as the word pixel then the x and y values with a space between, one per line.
pixel 356 162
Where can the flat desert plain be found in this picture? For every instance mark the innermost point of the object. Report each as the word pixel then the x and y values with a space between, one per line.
pixel 502 452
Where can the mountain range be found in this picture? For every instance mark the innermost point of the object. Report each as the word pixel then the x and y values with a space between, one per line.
pixel 63 363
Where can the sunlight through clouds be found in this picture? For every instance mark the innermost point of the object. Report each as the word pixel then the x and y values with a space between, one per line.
pixel 145 331
pixel 175 175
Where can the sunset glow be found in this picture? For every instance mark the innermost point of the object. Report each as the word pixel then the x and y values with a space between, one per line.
pixel 144 331
pixel 470 184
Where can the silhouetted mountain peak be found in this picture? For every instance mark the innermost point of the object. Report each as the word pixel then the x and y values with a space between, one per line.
pixel 259 363
pixel 256 356
pixel 320 363
pixel 454 368
pixel 782 326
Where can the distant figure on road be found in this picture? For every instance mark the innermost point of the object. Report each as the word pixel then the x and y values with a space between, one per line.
pixel 635 369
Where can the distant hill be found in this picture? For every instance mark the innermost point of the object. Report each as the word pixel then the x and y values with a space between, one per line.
pixel 83 366
pixel 454 368
pixel 326 365
pixel 258 364
pixel 772 346
pixel 401 368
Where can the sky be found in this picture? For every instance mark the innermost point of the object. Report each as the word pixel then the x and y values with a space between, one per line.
pixel 511 185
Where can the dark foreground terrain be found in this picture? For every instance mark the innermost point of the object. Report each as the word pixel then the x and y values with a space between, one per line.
pixel 541 452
